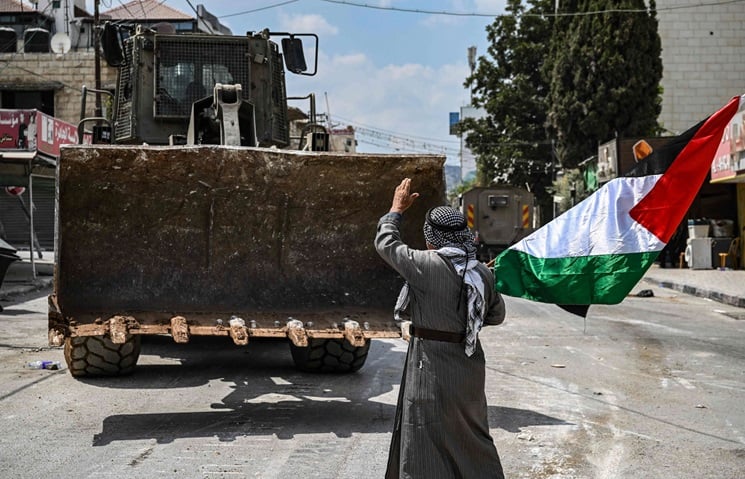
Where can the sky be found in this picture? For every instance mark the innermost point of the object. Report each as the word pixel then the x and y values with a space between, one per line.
pixel 394 72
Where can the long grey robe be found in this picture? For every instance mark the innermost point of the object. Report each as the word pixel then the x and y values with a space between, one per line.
pixel 441 428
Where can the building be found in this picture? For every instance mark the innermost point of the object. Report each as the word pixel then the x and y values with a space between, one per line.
pixel 30 143
pixel 342 139
pixel 703 47
pixel 467 158
pixel 154 12
pixel 46 57
pixel 703 53
pixel 54 57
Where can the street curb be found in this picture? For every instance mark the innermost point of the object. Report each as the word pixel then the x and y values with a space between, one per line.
pixel 700 292
pixel 13 291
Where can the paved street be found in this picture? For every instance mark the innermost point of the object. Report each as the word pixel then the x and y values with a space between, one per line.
pixel 651 388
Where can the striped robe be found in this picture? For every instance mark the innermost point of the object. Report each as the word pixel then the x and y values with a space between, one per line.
pixel 441 428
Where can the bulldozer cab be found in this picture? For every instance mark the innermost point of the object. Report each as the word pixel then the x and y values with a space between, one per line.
pixel 162 75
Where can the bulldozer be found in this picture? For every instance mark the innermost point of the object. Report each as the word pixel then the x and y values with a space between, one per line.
pixel 191 215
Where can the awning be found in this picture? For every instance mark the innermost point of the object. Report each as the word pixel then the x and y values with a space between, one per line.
pixel 19 156
pixel 15 86
pixel 738 178
pixel 17 165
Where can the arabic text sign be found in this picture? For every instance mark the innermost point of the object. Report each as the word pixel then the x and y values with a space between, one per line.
pixel 54 133
pixel 14 129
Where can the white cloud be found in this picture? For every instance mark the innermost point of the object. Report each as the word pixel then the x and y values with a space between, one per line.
pixel 412 71
pixel 355 59
pixel 410 99
pixel 306 24
pixel 439 21
pixel 490 6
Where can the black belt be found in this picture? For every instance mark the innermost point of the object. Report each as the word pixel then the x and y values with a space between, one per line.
pixel 436 335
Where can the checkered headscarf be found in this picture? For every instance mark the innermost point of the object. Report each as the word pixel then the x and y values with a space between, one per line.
pixel 446 226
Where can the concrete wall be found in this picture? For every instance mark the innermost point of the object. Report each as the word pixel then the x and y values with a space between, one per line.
pixel 69 71
pixel 703 55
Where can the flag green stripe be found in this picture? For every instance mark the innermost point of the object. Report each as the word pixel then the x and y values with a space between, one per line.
pixel 602 279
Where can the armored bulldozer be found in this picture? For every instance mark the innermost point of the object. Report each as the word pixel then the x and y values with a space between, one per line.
pixel 198 220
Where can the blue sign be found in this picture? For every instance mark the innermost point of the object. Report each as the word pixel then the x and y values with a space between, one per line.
pixel 454 119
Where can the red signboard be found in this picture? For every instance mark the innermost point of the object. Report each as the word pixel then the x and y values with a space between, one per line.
pixel 33 130
pixel 14 129
pixel 728 160
pixel 54 133
pixel 722 167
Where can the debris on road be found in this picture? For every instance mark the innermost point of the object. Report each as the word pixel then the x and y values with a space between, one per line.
pixel 50 365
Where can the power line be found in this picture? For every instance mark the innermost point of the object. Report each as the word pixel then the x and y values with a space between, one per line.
pixel 196 14
pixel 536 164
pixel 259 9
pixel 405 142
pixel 402 143
pixel 127 9
pixel 526 14
pixel 409 10
pixel 142 7
pixel 355 124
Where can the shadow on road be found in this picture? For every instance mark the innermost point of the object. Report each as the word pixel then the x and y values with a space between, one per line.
pixel 269 396
pixel 16 312
pixel 9 302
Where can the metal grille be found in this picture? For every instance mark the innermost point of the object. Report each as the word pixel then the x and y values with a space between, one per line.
pixel 280 130
pixel 187 69
pixel 14 215
pixel 123 128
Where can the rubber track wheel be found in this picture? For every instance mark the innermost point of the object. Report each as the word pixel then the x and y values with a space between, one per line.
pixel 329 356
pixel 92 356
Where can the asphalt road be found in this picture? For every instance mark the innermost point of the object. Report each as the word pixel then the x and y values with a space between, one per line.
pixel 651 388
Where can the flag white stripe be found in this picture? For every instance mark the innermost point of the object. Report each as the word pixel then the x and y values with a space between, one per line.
pixel 605 215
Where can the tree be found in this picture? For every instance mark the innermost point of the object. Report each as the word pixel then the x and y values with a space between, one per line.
pixel 604 70
pixel 511 143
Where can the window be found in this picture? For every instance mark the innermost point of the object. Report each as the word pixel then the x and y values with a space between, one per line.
pixel 42 100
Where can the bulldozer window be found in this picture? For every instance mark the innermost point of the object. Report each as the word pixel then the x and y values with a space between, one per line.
pixel 172 83
pixel 182 84
pixel 183 61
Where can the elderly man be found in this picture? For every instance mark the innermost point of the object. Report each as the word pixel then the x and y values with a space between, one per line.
pixel 441 428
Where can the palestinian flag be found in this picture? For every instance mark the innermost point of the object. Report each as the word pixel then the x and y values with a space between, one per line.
pixel 596 252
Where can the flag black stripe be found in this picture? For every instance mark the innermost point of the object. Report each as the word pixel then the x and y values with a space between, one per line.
pixel 660 159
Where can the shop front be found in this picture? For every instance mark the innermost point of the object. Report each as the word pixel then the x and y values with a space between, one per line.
pixel 729 168
pixel 30 144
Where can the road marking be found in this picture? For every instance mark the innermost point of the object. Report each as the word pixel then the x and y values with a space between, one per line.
pixel 685 383
pixel 272 398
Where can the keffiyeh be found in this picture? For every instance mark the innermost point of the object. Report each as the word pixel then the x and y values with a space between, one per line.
pixel 446 226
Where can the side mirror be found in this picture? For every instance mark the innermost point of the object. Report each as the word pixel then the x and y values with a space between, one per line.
pixel 292 49
pixel 111 44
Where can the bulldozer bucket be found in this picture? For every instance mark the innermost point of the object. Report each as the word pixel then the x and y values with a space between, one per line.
pixel 166 237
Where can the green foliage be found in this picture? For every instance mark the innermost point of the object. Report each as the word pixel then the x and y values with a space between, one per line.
pixel 459 189
pixel 553 88
pixel 605 71
pixel 511 144
pixel 571 188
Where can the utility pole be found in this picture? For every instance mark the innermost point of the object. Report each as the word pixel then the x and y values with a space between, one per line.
pixel 461 136
pixel 472 65
pixel 97 57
